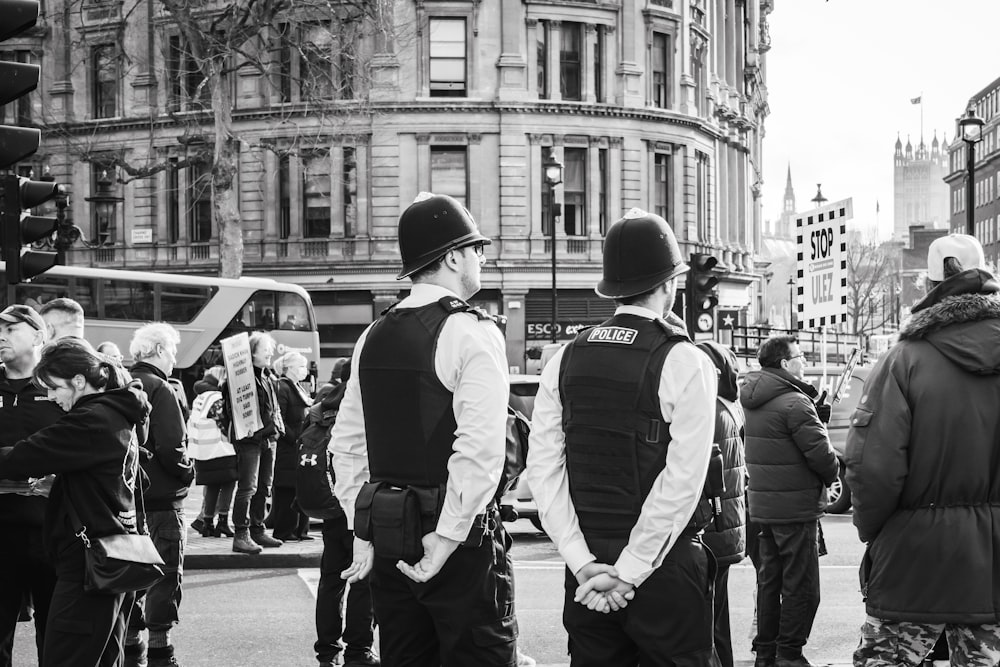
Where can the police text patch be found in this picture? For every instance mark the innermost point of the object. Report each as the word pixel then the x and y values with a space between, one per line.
pixel 619 335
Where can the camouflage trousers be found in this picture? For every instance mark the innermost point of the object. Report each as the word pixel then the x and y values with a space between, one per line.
pixel 891 643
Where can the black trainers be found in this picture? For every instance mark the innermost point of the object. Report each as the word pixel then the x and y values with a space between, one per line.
pixel 162 657
pixel 135 655
pixel 366 659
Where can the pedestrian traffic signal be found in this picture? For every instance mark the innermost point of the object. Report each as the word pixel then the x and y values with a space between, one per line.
pixel 700 293
pixel 18 229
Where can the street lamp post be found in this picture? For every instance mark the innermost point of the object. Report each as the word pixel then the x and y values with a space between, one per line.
pixel 105 205
pixel 553 177
pixel 971 128
pixel 791 302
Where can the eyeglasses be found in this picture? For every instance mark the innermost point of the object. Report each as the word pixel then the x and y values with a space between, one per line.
pixel 478 248
pixel 797 356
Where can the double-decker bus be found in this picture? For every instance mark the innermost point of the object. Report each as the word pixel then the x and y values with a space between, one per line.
pixel 203 309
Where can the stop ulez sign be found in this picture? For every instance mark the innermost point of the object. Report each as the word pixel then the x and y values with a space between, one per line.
pixel 821 254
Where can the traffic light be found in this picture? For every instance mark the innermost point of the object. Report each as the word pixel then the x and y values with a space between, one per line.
pixel 701 295
pixel 16 144
pixel 18 229
pixel 17 80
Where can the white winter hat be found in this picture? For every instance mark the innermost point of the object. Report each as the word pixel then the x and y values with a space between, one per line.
pixel 966 249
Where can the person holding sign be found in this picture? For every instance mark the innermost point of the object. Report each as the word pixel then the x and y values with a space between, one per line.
pixel 924 470
pixel 424 418
pixel 790 463
pixel 255 421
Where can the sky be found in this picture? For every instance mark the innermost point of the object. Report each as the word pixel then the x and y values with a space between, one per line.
pixel 840 77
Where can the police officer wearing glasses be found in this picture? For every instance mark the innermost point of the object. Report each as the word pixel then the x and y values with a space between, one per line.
pixel 621 440
pixel 419 445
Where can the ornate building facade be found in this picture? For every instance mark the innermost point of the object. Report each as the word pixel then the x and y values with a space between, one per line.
pixel 656 104
pixel 986 217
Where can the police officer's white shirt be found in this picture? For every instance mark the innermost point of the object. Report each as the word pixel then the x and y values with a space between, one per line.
pixel 687 392
pixel 471 362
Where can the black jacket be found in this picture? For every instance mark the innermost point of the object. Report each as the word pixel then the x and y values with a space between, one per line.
pixel 167 465
pixel 923 462
pixel 24 409
pixel 293 403
pixel 727 537
pixel 267 405
pixel 790 461
pixel 94 452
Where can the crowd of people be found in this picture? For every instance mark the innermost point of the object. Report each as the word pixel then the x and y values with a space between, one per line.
pixel 654 466
pixel 121 447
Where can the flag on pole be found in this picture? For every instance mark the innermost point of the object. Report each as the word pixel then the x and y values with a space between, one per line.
pixel 915 100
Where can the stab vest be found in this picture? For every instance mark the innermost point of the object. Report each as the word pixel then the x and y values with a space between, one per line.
pixel 409 420
pixel 616 439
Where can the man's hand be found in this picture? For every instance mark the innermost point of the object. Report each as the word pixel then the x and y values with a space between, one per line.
pixel 41 486
pixel 592 569
pixel 823 409
pixel 604 592
pixel 437 550
pixel 362 564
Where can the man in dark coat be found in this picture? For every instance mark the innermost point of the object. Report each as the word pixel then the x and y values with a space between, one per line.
pixel 790 463
pixel 726 536
pixel 170 473
pixel 923 465
pixel 25 569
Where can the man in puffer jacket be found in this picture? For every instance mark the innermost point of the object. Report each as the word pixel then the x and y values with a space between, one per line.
pixel 726 536
pixel 790 463
pixel 923 464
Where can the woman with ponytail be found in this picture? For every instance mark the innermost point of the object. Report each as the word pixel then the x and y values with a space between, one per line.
pixel 94 449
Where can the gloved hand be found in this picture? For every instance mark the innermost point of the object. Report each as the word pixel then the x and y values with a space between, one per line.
pixel 823 409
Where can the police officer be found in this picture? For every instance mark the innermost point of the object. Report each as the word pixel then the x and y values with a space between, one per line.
pixel 424 414
pixel 620 445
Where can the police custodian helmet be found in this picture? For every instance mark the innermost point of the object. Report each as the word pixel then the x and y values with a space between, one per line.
pixel 431 226
pixel 640 252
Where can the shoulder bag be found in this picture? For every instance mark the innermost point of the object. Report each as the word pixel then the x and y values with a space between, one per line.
pixel 118 564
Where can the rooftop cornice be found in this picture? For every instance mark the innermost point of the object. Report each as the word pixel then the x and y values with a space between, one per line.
pixel 371 113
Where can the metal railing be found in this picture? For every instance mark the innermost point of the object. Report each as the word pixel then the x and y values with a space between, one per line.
pixel 747 339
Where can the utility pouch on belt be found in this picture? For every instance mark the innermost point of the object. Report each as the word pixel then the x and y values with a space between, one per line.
pixel 363 510
pixel 395 521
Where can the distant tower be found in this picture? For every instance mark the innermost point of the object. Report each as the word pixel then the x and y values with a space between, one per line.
pixel 784 228
pixel 920 195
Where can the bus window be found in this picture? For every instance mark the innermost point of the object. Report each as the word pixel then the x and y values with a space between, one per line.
pixel 261 311
pixel 42 290
pixel 127 300
pixel 268 310
pixel 294 312
pixel 180 304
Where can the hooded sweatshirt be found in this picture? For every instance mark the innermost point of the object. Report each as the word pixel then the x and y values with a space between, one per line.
pixel 790 461
pixel 923 461
pixel 94 451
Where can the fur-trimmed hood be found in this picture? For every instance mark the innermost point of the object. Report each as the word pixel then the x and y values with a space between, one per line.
pixel 962 325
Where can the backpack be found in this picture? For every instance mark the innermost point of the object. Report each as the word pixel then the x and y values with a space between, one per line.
pixel 518 430
pixel 205 440
pixel 314 476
